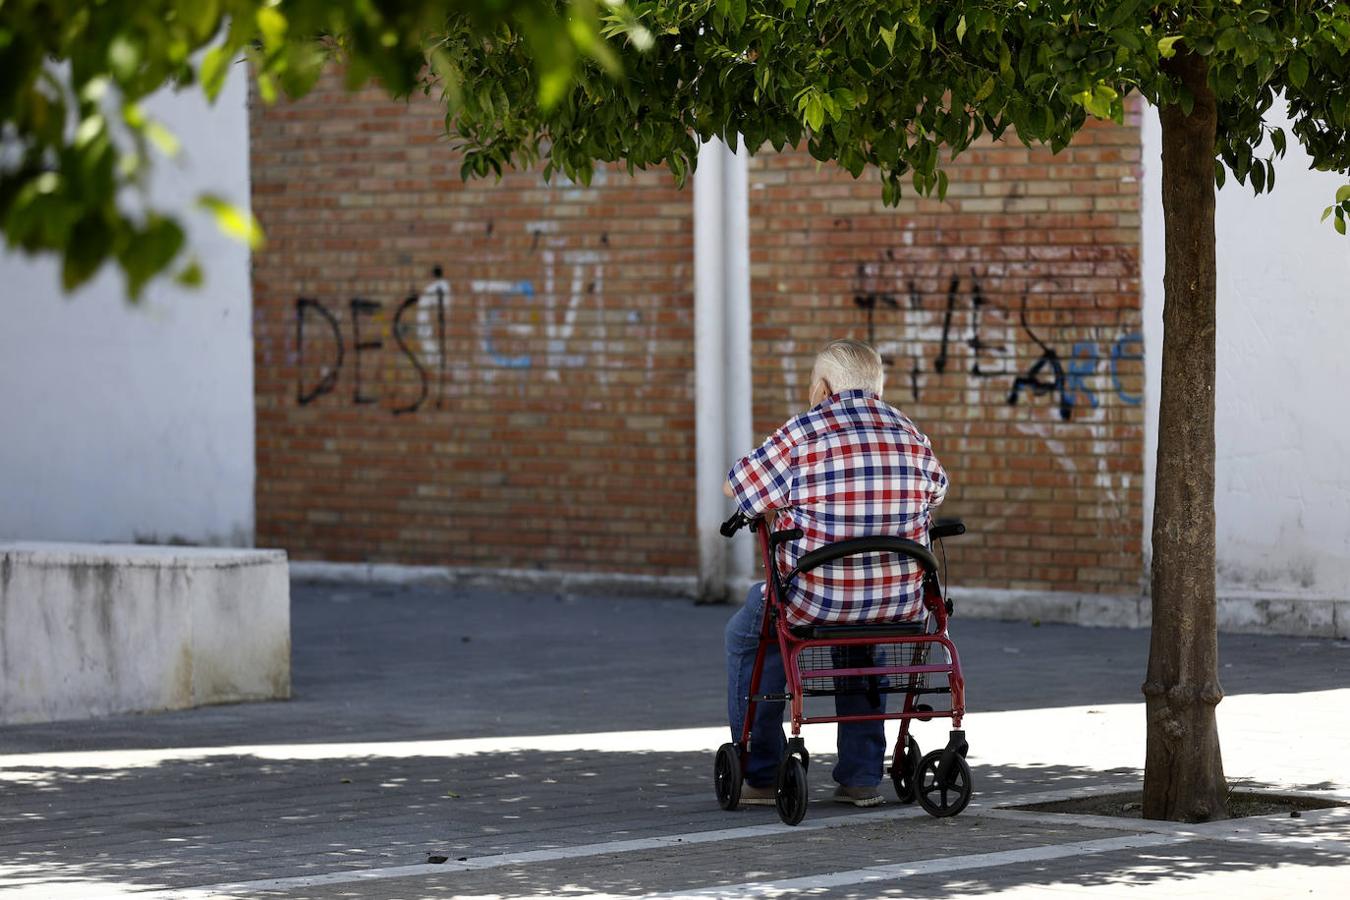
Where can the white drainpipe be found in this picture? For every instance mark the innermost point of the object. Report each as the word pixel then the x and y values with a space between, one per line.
pixel 721 357
pixel 736 410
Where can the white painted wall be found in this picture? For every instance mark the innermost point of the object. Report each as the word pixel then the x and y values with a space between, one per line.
pixel 125 423
pixel 1283 388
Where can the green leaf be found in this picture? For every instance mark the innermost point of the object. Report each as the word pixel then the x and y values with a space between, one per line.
pixel 815 113
pixel 1167 46
pixel 201 16
pixel 272 26
pixel 90 244
pixel 214 68
pixel 1343 193
pixel 124 58
pixel 888 38
pixel 1327 212
pixel 304 65
pixel 1277 140
pixel 961 30
pixel 1340 223
pixel 1100 102
pixel 267 88
pixel 191 276
pixel 552 85
pixel 1128 38
pixel 738 12
pixel 1219 175
pixel 233 221
pixel 1298 69
pixel 149 251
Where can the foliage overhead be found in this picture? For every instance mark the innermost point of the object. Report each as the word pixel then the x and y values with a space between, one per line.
pixel 76 141
pixel 895 84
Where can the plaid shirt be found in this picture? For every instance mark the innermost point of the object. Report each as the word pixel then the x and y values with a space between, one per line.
pixel 851 467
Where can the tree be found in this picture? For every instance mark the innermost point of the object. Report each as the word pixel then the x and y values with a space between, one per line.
pixel 76 142
pixel 892 85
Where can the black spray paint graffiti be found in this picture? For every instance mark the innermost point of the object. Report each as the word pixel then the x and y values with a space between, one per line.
pixel 1033 379
pixel 1046 376
pixel 507 313
pixel 362 309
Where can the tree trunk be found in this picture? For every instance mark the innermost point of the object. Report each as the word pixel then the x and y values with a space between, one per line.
pixel 1183 770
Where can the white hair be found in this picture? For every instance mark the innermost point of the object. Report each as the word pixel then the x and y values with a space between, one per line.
pixel 849 365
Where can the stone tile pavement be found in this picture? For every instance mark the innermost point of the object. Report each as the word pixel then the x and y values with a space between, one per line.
pixel 552 745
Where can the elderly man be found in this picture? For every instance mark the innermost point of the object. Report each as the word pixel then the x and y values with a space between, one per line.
pixel 849 466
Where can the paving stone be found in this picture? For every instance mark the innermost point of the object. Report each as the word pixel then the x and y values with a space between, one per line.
pixel 387 668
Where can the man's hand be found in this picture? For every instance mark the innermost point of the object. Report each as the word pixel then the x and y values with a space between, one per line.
pixel 726 489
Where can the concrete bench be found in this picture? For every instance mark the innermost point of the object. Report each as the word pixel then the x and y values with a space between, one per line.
pixel 93 629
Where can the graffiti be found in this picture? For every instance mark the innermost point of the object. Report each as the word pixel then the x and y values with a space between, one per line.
pixel 432 309
pixel 361 308
pixel 402 342
pixel 514 325
pixel 1117 354
pixel 970 327
pixel 1033 380
pixel 306 307
pixel 1082 365
pixel 872 295
pixel 494 315
pixel 329 375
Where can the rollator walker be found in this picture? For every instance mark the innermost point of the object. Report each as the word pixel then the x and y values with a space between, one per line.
pixel 869 659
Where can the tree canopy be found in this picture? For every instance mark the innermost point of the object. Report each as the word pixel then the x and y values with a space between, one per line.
pixel 893 85
pixel 76 142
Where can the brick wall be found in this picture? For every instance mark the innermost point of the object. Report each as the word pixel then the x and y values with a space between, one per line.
pixel 1010 320
pixel 515 386
pixel 516 360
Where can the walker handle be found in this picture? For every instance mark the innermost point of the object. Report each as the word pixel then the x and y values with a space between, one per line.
pixel 943 528
pixel 734 524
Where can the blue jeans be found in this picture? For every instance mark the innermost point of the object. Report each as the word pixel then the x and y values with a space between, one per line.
pixel 862 745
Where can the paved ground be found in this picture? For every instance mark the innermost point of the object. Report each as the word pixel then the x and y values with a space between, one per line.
pixel 553 745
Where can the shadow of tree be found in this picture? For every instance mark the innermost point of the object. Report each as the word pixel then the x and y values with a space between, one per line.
pixel 206 821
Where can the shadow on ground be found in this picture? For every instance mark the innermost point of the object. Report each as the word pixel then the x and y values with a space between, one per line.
pixel 251 818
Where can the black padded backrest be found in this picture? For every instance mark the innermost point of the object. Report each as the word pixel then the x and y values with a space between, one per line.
pixel 879 544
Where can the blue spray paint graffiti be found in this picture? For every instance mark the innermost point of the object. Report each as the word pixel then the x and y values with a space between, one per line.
pixel 1117 354
pixel 503 289
pixel 1082 363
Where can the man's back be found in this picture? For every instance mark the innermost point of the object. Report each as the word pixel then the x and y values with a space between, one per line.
pixel 849 467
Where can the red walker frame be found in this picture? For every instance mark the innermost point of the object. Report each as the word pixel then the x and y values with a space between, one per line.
pixel 907 770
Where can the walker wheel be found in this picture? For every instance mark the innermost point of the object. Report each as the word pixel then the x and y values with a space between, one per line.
pixel 791 796
pixel 904 771
pixel 947 796
pixel 727 777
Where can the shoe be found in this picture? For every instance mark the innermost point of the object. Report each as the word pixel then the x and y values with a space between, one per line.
pixel 758 796
pixel 858 796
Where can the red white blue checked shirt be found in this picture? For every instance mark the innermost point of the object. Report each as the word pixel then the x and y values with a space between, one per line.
pixel 851 467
